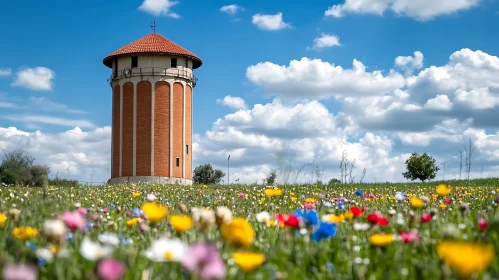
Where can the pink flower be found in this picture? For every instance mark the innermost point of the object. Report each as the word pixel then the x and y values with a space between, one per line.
pixel 110 269
pixel 204 261
pixel 20 272
pixel 482 224
pixel 73 220
pixel 242 195
pixel 408 237
pixel 105 210
pixel 425 218
pixel 447 201
pixel 82 211
pixel 309 206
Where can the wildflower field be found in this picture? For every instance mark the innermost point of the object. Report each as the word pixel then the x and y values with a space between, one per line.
pixel 445 230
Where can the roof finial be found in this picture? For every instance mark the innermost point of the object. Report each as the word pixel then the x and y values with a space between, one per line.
pixel 153 26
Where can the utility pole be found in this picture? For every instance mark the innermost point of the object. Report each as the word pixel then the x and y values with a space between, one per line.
pixel 228 170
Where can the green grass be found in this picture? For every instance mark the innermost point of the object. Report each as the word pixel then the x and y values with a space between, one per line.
pixel 289 253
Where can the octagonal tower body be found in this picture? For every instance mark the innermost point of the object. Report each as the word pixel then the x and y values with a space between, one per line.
pixel 152 83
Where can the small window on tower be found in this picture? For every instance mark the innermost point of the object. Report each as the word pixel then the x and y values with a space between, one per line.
pixel 186 63
pixel 187 148
pixel 135 61
pixel 174 63
pixel 177 162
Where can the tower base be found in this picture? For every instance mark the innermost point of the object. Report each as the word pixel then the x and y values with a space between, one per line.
pixel 150 180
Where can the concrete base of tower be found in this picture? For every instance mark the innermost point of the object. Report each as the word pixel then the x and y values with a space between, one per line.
pixel 151 180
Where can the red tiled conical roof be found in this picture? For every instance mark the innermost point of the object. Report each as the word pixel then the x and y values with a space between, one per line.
pixel 153 43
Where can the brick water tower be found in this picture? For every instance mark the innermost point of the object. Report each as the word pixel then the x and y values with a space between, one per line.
pixel 152 81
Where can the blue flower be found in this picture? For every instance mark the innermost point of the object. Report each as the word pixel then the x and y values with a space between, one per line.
pixel 31 245
pixel 207 197
pixel 310 217
pixel 41 262
pixel 340 206
pixel 136 212
pixel 88 226
pixel 325 230
pixel 69 236
pixel 358 193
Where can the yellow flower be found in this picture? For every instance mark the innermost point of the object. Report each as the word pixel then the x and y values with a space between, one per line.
pixel 293 199
pixel 442 205
pixel 310 200
pixel 271 223
pixel 154 211
pixel 331 218
pixel 248 261
pixel 348 215
pixel 132 222
pixel 416 202
pixel 443 190
pixel 381 240
pixel 3 218
pixel 181 223
pixel 273 192
pixel 466 258
pixel 136 194
pixel 24 233
pixel 238 232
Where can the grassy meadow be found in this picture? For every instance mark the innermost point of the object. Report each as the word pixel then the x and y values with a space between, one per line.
pixel 368 231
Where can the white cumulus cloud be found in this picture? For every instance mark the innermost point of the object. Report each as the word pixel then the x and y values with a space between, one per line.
pixel 418 9
pixel 5 72
pixel 270 22
pixel 326 41
pixel 231 9
pixel 38 78
pixel 233 102
pixel 159 7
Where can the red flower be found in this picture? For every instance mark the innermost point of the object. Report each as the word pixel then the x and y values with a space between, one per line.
pixel 376 218
pixel 482 224
pixel 288 220
pixel 408 237
pixel 447 201
pixel 356 211
pixel 425 217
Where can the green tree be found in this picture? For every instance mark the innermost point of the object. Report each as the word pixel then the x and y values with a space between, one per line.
pixel 334 181
pixel 205 174
pixel 420 167
pixel 18 168
pixel 270 180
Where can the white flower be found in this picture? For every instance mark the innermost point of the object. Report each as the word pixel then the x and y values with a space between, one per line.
pixel 48 255
pixel 44 254
pixel 400 196
pixel 77 205
pixel 93 251
pixel 54 229
pixel 392 212
pixel 360 226
pixel 223 215
pixel 165 250
pixel 263 217
pixel 151 197
pixel 109 238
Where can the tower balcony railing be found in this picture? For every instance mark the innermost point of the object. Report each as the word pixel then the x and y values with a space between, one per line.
pixel 154 71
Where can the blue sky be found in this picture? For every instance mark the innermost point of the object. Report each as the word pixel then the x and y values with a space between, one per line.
pixel 71 38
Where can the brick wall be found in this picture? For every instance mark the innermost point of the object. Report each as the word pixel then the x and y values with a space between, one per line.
pixel 162 129
pixel 143 135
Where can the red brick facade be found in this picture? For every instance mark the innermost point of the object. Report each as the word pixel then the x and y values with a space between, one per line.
pixel 162 129
pixel 115 168
pixel 188 132
pixel 143 135
pixel 162 119
pixel 127 146
pixel 178 120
